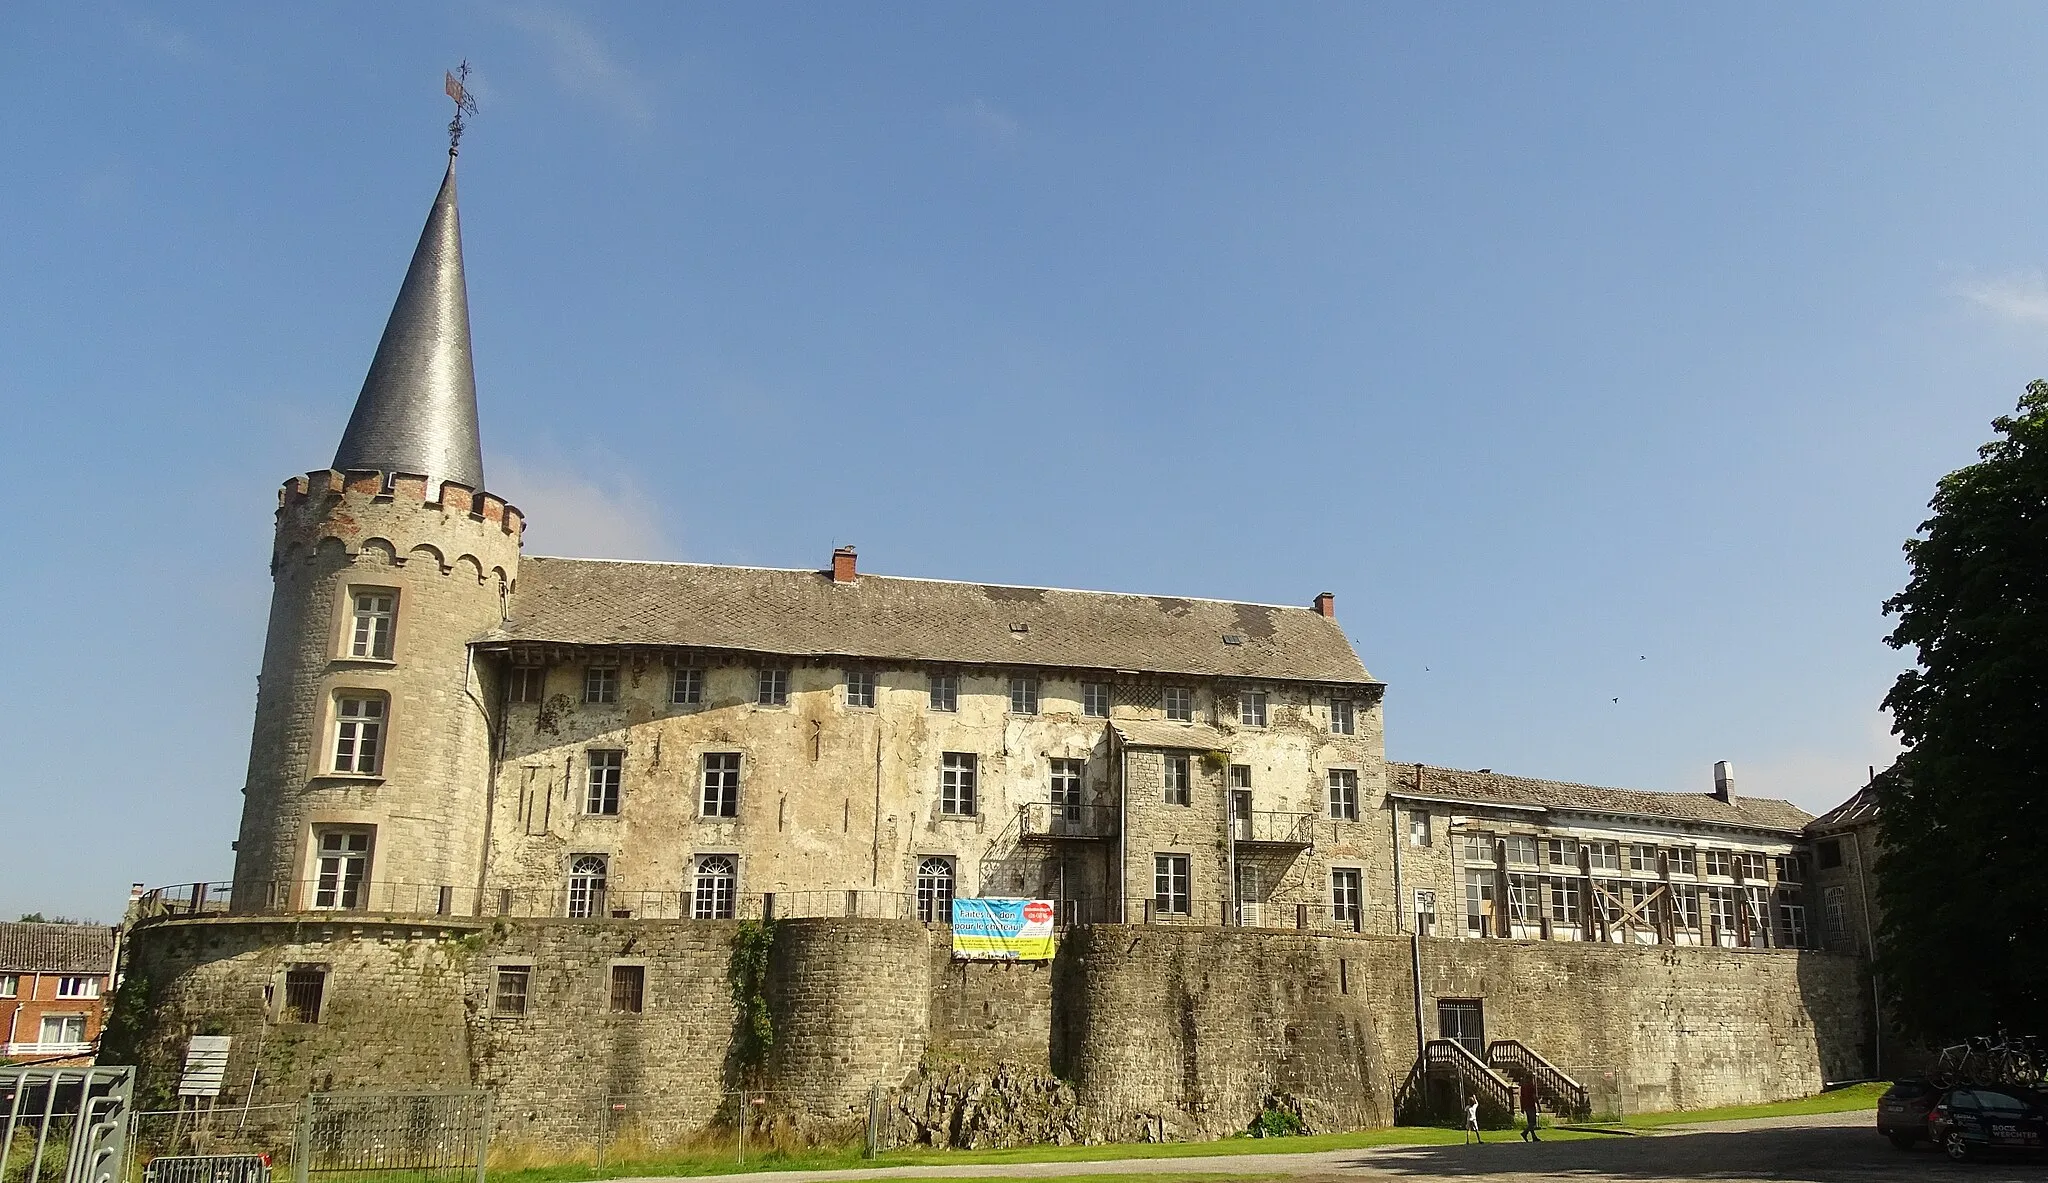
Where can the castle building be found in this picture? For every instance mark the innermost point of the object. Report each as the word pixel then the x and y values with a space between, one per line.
pixel 495 798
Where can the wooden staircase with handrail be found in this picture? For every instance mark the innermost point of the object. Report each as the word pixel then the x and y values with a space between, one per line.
pixel 1448 1057
pixel 1564 1095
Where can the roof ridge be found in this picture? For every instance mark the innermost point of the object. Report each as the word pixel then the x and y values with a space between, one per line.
pixel 1574 784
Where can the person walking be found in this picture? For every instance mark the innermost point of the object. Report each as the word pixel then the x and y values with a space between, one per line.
pixel 1472 1121
pixel 1530 1104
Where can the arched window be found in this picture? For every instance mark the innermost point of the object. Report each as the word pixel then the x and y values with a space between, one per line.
pixel 718 880
pixel 586 886
pixel 935 891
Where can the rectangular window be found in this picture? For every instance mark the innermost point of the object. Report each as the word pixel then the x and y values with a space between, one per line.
pixel 1564 901
pixel 510 996
pixel 1241 776
pixel 629 988
pixel 1720 862
pixel 1683 861
pixel 601 684
pixel 1721 908
pixel 1178 703
pixel 1522 899
pixel 529 682
pixel 686 686
pixel 371 635
pixel 1251 708
pixel 1829 852
pixel 62 1029
pixel 1685 905
pixel 1751 865
pixel 1835 904
pixel 1607 900
pixel 1603 856
pixel 304 988
pixel 860 688
pixel 773 688
pixel 945 692
pixel 1563 852
pixel 1095 699
pixel 359 734
pixel 1170 888
pixel 721 784
pixel 1521 850
pixel 1792 920
pixel 1346 893
pixel 341 864
pixel 1418 827
pixel 1791 868
pixel 1642 860
pixel 1344 794
pixel 1023 695
pixel 1066 789
pixel 1479 901
pixel 1479 848
pixel 956 784
pixel 1343 716
pixel 78 987
pixel 10 986
pixel 1178 775
pixel 601 793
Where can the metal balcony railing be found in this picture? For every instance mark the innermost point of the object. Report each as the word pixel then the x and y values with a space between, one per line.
pixel 1271 828
pixel 1052 819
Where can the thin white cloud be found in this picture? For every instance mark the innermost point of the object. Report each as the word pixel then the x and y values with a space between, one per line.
pixel 987 125
pixel 159 38
pixel 581 62
pixel 2021 297
pixel 569 514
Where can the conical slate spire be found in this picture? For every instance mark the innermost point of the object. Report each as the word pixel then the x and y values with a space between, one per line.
pixel 417 411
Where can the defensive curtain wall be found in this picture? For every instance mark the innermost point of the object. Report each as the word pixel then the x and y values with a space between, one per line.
pixel 1130 1032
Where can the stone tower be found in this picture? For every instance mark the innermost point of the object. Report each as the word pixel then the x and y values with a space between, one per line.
pixel 370 766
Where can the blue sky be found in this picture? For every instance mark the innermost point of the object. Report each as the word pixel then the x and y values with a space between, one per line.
pixel 1587 353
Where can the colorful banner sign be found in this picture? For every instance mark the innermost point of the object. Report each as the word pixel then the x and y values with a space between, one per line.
pixel 1002 930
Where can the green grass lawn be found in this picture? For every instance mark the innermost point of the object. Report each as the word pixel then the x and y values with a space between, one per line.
pixel 724 1161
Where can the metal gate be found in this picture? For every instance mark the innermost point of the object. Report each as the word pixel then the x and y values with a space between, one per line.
pixel 387 1137
pixel 64 1125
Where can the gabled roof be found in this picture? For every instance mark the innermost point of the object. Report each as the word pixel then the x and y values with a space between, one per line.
pixel 1857 810
pixel 56 948
pixel 876 617
pixel 1492 788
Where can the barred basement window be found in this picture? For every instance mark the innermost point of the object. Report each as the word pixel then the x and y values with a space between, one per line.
pixel 773 688
pixel 860 688
pixel 371 634
pixel 629 987
pixel 945 692
pixel 529 683
pixel 1179 704
pixel 607 769
pixel 1343 716
pixel 1023 696
pixel 1344 794
pixel 956 784
pixel 721 784
pixel 1178 774
pixel 686 686
pixel 1095 699
pixel 304 987
pixel 601 684
pixel 510 996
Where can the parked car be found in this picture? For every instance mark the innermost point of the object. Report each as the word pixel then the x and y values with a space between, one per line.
pixel 1971 1118
pixel 1902 1111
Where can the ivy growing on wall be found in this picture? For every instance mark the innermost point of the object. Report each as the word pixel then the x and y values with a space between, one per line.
pixel 754 1029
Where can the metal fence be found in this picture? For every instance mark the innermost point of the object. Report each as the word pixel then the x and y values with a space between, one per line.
pixel 423 1137
pixel 63 1125
pixel 204 1131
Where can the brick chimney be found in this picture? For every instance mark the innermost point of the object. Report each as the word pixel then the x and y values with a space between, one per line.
pixel 1326 605
pixel 1724 780
pixel 842 565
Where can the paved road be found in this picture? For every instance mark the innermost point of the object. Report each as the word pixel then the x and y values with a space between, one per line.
pixel 1827 1148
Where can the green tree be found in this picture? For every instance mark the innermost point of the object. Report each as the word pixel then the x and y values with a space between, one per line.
pixel 1963 881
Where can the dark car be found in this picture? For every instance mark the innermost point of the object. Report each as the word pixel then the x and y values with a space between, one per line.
pixel 1902 1111
pixel 1978 1117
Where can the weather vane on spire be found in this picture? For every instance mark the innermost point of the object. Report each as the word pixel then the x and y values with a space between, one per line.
pixel 464 105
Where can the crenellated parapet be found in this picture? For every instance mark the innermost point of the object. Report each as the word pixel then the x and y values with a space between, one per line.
pixel 399 516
